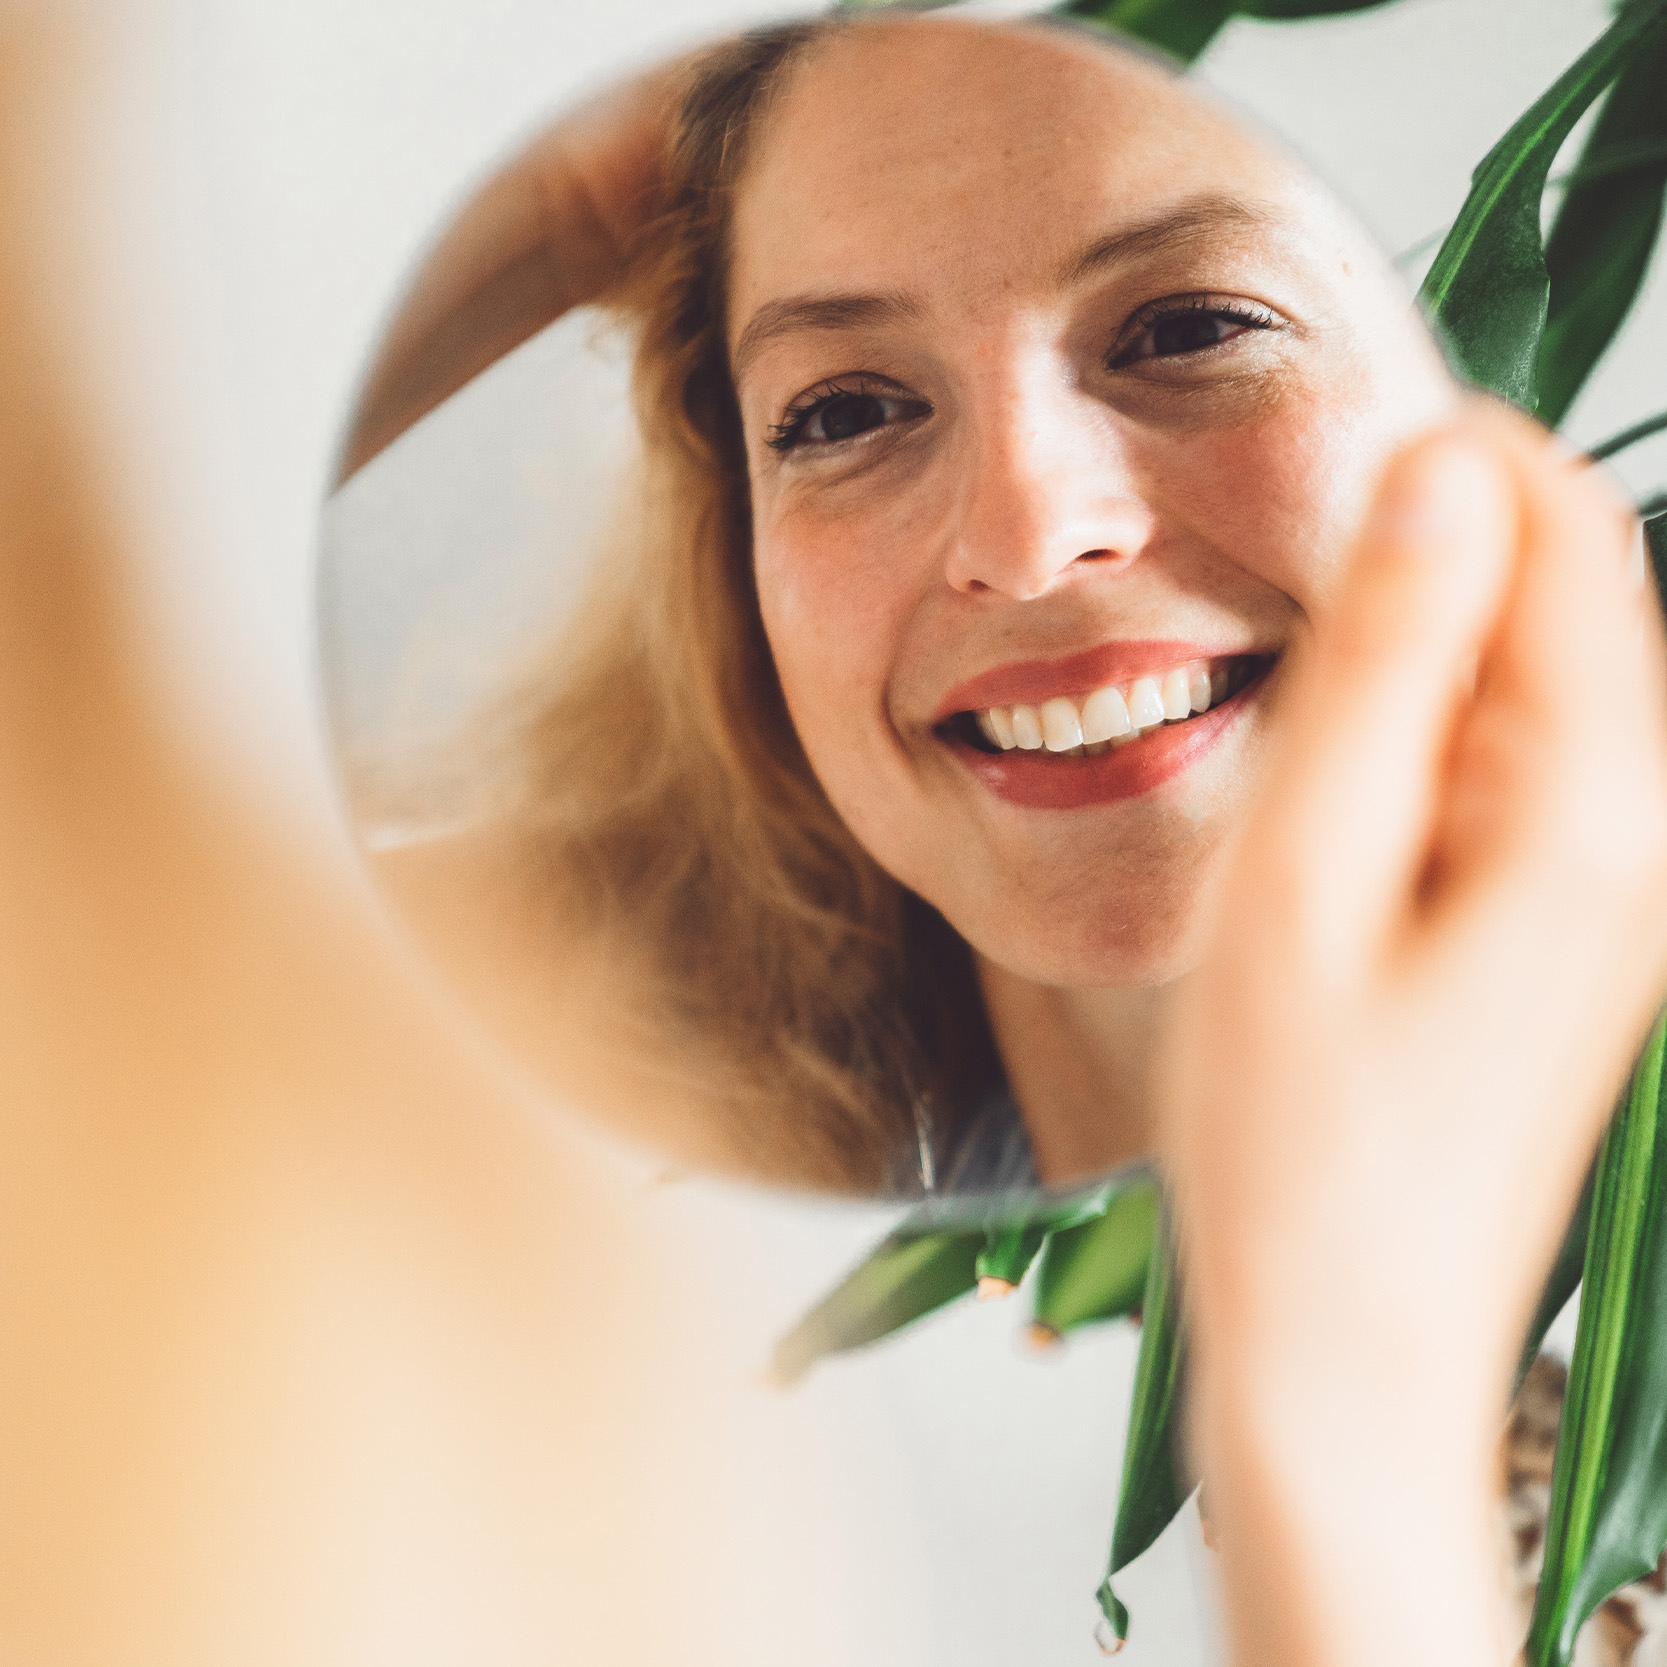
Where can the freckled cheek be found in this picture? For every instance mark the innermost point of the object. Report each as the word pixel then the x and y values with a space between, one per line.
pixel 1286 500
pixel 833 628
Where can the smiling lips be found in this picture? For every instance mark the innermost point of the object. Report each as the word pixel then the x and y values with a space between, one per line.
pixel 1109 715
pixel 1119 740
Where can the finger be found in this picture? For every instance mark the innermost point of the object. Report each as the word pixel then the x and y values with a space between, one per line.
pixel 1561 767
pixel 1372 711
pixel 1547 914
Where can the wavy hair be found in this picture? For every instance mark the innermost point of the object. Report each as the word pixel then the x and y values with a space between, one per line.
pixel 821 1008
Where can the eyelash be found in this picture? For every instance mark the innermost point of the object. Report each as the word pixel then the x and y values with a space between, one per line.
pixel 789 432
pixel 1251 314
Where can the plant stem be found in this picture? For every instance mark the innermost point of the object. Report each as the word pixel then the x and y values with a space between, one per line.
pixel 1628 437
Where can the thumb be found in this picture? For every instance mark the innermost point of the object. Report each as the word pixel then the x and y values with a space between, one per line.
pixel 1374 704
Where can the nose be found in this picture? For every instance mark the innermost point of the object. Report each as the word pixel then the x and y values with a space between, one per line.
pixel 1046 485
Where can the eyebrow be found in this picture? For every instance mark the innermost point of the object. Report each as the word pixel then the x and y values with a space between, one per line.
pixel 1196 217
pixel 796 313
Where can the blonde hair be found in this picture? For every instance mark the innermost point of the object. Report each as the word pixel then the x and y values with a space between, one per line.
pixel 818 1005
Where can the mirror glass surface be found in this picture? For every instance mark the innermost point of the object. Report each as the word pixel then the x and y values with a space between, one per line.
pixel 816 764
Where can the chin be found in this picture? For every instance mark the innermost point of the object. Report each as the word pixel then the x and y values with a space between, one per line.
pixel 1109 950
pixel 1136 921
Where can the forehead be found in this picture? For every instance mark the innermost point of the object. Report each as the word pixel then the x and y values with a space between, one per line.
pixel 922 152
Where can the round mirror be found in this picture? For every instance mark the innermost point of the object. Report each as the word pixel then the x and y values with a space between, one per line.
pixel 807 608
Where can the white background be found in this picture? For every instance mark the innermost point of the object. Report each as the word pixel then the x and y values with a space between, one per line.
pixel 331 136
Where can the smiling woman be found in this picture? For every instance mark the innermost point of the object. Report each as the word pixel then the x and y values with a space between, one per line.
pixel 1008 415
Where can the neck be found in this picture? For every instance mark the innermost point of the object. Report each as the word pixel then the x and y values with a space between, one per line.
pixel 1078 1062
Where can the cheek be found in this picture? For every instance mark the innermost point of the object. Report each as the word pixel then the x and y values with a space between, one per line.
pixel 1285 498
pixel 834 614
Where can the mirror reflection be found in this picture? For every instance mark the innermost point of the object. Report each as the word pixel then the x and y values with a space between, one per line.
pixel 1003 411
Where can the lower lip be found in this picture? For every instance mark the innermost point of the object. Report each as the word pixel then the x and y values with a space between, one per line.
pixel 1038 781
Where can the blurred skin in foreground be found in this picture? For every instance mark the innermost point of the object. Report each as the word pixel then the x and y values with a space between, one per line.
pixel 1440 949
pixel 317 1348
pixel 262 1198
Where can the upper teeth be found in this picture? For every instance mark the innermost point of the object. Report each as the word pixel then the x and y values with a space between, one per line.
pixel 1118 712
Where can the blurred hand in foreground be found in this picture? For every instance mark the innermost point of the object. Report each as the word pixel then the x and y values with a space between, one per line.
pixel 1439 946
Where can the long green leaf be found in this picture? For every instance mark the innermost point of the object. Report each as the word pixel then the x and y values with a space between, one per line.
pixel 938 1253
pixel 1655 541
pixel 1488 288
pixel 1097 1271
pixel 1009 1249
pixel 904 1278
pixel 1563 1280
pixel 1608 1518
pixel 1184 28
pixel 1622 157
pixel 1606 229
pixel 1290 10
pixel 1154 1485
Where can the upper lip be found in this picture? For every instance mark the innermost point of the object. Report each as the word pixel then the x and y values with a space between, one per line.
pixel 1030 682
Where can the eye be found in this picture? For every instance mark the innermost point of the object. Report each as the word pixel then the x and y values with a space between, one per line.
pixel 833 412
pixel 1188 324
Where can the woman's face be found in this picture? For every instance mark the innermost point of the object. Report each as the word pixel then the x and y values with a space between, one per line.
pixel 1063 399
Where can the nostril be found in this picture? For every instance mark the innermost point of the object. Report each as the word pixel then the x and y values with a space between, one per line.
pixel 1094 555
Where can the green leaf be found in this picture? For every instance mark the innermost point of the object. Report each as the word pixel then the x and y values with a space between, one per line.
pixel 1608 1520
pixel 1182 28
pixel 1655 541
pixel 1606 229
pixel 1286 10
pixel 1619 158
pixel 1487 290
pixel 1563 1280
pixel 1185 27
pixel 1038 1207
pixel 938 1253
pixel 906 1276
pixel 1008 1251
pixel 1154 1487
pixel 1097 1271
